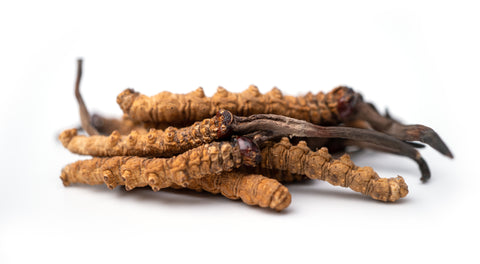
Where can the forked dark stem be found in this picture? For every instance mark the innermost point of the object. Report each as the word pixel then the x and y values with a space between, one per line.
pixel 84 114
pixel 365 111
pixel 269 126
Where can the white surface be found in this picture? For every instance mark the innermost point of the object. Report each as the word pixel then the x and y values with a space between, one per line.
pixel 418 58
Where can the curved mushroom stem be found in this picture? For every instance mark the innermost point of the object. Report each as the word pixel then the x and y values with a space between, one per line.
pixel 386 124
pixel 268 126
pixel 422 164
pixel 84 114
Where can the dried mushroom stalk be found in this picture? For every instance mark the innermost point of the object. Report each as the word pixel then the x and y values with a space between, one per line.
pixel 341 105
pixel 252 189
pixel 263 127
pixel 179 109
pixel 84 114
pixel 132 171
pixel 343 172
pixel 155 143
pixel 385 124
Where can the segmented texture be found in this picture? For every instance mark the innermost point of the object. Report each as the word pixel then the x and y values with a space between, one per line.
pixel 155 143
pixel 300 159
pixel 213 158
pixel 186 108
pixel 252 189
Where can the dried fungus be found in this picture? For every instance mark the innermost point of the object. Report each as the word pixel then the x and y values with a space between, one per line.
pixel 241 145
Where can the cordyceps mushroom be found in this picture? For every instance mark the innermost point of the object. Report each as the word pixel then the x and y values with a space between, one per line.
pixel 242 145
pixel 340 105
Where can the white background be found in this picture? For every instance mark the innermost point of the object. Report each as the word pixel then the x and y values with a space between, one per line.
pixel 419 58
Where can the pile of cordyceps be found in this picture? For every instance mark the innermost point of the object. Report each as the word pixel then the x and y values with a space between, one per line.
pixel 242 145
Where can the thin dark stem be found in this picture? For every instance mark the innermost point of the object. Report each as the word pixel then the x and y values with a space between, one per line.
pixel 84 114
pixel 422 164
pixel 403 132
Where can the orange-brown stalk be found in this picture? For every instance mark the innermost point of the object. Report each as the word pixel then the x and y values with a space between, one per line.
pixel 182 109
pixel 157 173
pixel 132 171
pixel 343 172
pixel 155 143
pixel 252 189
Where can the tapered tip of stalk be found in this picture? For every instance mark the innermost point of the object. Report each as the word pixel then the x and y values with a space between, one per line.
pixel 430 137
pixel 424 170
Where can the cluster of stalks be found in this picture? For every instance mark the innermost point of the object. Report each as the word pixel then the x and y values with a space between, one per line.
pixel 242 145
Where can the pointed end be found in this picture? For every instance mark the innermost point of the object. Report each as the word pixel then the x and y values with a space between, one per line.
pixel 425 171
pixel 450 155
pixel 431 138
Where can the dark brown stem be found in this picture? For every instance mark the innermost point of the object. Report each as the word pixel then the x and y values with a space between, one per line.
pixel 84 115
pixel 269 126
pixel 365 111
